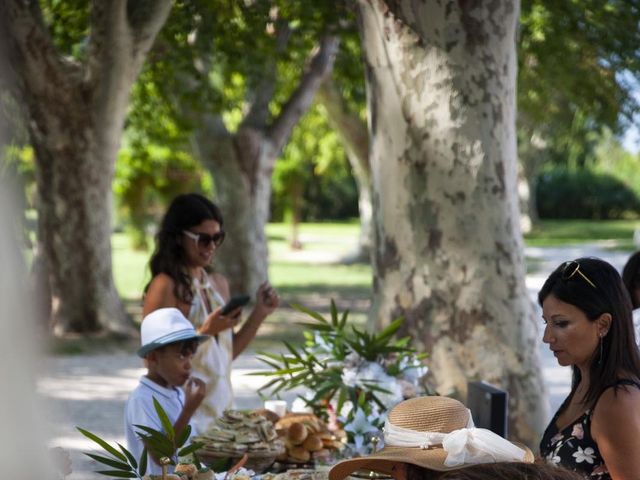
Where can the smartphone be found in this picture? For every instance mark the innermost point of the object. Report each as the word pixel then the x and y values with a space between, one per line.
pixel 235 302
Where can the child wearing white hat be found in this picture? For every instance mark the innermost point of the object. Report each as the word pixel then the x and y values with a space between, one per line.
pixel 169 342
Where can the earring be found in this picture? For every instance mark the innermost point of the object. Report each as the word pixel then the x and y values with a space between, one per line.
pixel 600 359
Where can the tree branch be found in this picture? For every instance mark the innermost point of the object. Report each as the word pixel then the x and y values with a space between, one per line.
pixel 118 48
pixel 258 113
pixel 122 33
pixel 348 125
pixel 36 66
pixel 319 67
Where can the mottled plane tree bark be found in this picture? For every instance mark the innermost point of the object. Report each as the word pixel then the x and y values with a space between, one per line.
pixel 75 111
pixel 441 78
pixel 241 162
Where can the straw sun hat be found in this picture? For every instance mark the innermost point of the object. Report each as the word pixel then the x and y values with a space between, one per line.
pixel 435 433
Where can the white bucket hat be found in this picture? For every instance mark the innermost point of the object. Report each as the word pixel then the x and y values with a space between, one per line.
pixel 164 326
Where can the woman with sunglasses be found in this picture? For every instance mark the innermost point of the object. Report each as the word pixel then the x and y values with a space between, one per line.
pixel 181 276
pixel 588 326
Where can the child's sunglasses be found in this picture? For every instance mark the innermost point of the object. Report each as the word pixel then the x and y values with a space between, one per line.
pixel 571 268
pixel 203 240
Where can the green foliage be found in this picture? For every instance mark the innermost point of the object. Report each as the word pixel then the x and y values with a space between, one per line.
pixel 163 445
pixel 122 461
pixel 571 59
pixel 331 346
pixel 314 174
pixel 166 443
pixel 583 193
pixel 613 159
pixel 68 22
pixel 147 177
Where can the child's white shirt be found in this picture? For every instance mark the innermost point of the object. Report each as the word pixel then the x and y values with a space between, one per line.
pixel 139 410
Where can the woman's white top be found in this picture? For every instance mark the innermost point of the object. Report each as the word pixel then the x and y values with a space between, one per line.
pixel 212 361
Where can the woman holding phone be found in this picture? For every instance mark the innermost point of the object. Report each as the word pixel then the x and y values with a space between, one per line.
pixel 181 276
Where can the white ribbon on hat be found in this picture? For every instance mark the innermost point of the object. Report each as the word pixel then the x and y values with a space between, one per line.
pixel 464 446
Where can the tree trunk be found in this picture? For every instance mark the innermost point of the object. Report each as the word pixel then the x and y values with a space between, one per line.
pixel 74 224
pixel 448 249
pixel 242 164
pixel 355 138
pixel 242 175
pixel 75 118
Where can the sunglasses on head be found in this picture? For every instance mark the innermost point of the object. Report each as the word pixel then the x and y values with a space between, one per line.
pixel 204 239
pixel 572 268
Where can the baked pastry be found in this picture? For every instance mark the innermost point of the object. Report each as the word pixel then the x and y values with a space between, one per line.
pixel 297 433
pixel 313 443
pixel 299 455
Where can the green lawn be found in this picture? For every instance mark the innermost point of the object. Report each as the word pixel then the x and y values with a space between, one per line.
pixel 130 269
pixel 564 232
pixel 316 273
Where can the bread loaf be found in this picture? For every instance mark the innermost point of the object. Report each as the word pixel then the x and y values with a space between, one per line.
pixel 297 433
pixel 313 443
pixel 299 455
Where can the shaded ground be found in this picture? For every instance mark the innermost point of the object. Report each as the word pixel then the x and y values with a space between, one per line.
pixel 89 390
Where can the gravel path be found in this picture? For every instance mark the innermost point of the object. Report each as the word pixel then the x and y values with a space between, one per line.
pixel 90 391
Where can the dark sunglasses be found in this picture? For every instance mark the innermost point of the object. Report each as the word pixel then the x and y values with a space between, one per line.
pixel 203 240
pixel 571 268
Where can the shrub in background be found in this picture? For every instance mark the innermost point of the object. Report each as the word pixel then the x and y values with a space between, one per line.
pixel 585 194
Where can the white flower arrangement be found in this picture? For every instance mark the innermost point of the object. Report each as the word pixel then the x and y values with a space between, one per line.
pixel 357 374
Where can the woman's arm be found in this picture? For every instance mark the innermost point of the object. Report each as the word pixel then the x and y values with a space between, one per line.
pixel 615 427
pixel 266 302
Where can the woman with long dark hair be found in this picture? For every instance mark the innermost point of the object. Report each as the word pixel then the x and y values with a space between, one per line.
pixel 588 326
pixel 181 276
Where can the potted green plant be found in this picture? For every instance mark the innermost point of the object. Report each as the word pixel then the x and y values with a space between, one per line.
pixel 356 374
pixel 163 445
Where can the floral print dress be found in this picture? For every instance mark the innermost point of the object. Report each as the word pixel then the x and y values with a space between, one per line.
pixel 573 447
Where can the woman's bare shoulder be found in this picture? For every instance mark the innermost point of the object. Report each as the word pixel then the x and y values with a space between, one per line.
pixel 616 404
pixel 615 427
pixel 160 294
pixel 162 280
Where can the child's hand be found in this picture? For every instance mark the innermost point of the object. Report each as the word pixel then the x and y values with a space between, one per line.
pixel 216 322
pixel 194 392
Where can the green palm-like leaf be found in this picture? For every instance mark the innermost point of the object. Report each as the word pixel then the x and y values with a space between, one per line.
pixel 109 462
pixel 184 436
pixel 164 419
pixel 142 469
pixel 157 443
pixel 194 447
pixel 334 314
pixel 103 444
pixel 343 321
pixel 309 312
pixel 127 453
pixel 158 449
